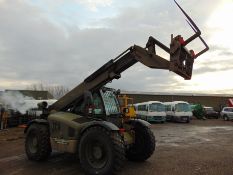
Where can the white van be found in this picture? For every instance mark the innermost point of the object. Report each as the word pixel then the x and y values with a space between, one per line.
pixel 178 111
pixel 151 111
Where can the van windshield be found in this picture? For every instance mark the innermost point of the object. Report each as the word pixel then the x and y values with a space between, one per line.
pixel 156 107
pixel 182 107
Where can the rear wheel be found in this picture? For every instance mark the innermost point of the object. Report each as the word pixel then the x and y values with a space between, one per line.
pixel 144 145
pixel 37 143
pixel 101 151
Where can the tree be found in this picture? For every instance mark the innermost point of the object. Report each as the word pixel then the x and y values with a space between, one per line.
pixel 56 90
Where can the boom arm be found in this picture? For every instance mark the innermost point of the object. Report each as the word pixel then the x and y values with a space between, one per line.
pixel 181 62
pixel 109 71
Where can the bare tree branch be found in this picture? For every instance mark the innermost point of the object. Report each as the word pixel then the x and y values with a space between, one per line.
pixel 56 90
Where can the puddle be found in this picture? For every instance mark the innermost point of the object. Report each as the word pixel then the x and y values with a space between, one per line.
pixel 187 135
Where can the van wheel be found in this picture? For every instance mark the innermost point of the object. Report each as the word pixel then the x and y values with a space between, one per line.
pixel 225 118
pixel 144 145
pixel 172 119
pixel 101 151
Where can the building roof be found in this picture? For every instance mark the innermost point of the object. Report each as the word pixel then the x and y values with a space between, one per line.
pixel 175 94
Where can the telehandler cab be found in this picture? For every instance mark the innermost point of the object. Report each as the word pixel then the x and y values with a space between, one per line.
pixel 87 121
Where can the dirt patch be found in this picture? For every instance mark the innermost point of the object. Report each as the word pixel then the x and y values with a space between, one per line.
pixel 197 148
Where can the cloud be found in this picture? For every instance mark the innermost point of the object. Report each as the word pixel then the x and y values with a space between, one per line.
pixel 35 49
pixel 208 82
pixel 94 4
pixel 226 53
pixel 141 78
pixel 37 46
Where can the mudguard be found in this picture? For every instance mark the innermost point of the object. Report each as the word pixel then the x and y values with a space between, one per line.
pixel 107 125
pixel 39 121
pixel 138 121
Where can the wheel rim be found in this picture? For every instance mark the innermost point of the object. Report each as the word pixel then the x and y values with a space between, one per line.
pixel 32 143
pixel 96 154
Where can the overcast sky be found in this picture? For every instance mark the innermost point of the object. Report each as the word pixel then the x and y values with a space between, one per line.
pixel 61 42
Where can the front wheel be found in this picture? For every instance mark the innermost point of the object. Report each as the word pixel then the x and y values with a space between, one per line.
pixel 37 142
pixel 225 118
pixel 101 151
pixel 144 145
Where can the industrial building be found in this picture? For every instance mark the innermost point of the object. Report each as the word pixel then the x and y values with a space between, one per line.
pixel 218 101
pixel 214 100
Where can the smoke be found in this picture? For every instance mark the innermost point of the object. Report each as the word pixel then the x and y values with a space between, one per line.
pixel 17 101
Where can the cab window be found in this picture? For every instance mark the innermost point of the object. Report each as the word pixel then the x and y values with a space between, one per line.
pixel 98 105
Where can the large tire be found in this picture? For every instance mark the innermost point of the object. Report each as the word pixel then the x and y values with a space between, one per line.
pixel 144 145
pixel 101 151
pixel 37 143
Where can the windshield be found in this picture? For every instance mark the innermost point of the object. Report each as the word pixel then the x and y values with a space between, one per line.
pixel 156 107
pixel 110 103
pixel 182 107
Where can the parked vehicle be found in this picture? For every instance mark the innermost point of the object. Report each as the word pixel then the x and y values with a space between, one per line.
pixel 126 106
pixel 179 111
pixel 198 111
pixel 209 112
pixel 227 113
pixel 151 111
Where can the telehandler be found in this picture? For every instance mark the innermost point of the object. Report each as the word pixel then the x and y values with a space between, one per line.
pixel 87 121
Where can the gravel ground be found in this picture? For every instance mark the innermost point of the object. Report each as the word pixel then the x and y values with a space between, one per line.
pixel 197 148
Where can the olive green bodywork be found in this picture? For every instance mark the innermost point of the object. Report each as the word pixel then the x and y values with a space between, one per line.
pixel 66 130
